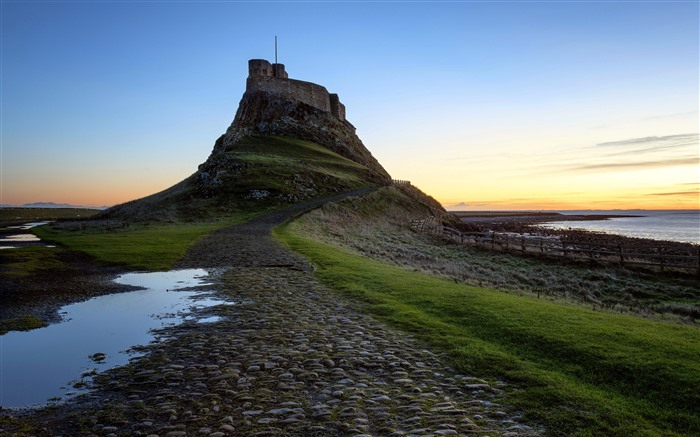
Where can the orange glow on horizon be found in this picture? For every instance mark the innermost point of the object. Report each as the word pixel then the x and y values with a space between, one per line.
pixel 505 205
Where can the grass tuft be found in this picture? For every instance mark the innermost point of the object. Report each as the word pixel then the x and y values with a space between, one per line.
pixel 24 323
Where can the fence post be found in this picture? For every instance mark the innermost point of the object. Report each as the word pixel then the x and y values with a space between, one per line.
pixel 523 243
pixel 622 255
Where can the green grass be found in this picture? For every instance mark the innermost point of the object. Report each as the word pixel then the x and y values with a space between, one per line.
pixel 153 246
pixel 289 150
pixel 24 323
pixel 582 372
pixel 376 226
pixel 28 261
pixel 279 163
pixel 254 174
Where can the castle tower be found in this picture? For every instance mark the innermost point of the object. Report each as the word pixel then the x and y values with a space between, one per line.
pixel 259 68
pixel 263 68
pixel 279 71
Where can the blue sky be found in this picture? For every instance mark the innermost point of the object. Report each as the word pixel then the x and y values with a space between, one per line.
pixel 483 104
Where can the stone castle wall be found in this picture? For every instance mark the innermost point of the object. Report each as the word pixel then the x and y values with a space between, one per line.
pixel 272 78
pixel 305 92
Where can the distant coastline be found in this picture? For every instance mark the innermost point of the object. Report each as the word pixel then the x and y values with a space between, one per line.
pixel 52 205
pixel 678 226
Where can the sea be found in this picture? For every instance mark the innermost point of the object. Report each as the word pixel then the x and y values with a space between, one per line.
pixel 665 225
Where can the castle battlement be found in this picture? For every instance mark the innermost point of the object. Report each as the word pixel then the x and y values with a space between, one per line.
pixel 273 78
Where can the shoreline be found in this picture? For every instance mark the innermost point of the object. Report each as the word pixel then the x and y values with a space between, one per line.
pixel 532 216
pixel 43 294
pixel 526 222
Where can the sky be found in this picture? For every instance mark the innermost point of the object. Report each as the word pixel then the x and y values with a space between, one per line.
pixel 545 105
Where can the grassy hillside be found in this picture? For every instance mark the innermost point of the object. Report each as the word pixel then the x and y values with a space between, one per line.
pixel 290 157
pixel 582 372
pixel 253 174
pixel 257 175
pixel 376 226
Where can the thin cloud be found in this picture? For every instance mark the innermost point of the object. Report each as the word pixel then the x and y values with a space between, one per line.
pixel 636 165
pixel 677 193
pixel 623 155
pixel 665 148
pixel 667 116
pixel 685 139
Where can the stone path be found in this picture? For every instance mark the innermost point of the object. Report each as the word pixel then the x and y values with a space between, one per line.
pixel 251 244
pixel 290 358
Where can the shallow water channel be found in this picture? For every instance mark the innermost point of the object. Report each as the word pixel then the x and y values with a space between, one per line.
pixel 55 362
pixel 13 237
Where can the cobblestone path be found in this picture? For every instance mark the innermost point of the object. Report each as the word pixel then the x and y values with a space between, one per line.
pixel 289 358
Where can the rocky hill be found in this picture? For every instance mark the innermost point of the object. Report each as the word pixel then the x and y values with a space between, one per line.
pixel 265 113
pixel 285 145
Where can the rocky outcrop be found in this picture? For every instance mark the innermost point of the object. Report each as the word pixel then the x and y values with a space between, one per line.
pixel 263 113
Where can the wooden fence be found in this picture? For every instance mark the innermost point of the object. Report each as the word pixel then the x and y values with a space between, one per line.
pixel 619 253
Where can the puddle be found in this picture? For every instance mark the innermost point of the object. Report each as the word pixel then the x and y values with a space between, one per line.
pixel 20 238
pixel 11 238
pixel 56 362
pixel 27 226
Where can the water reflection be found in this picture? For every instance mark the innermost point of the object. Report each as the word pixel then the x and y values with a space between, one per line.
pixel 47 363
pixel 24 238
pixel 27 226
pixel 13 237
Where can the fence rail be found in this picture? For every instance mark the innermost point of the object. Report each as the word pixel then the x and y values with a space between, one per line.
pixel 553 246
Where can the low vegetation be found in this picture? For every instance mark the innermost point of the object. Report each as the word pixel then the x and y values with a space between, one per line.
pixel 154 232
pixel 18 216
pixel 145 246
pixel 579 371
pixel 29 261
pixel 294 156
pixel 254 174
pixel 24 323
pixel 375 226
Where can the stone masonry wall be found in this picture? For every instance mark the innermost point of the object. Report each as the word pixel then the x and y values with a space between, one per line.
pixel 337 108
pixel 305 92
pixel 272 78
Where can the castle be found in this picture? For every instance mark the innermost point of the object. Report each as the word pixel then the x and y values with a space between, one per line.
pixel 272 78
